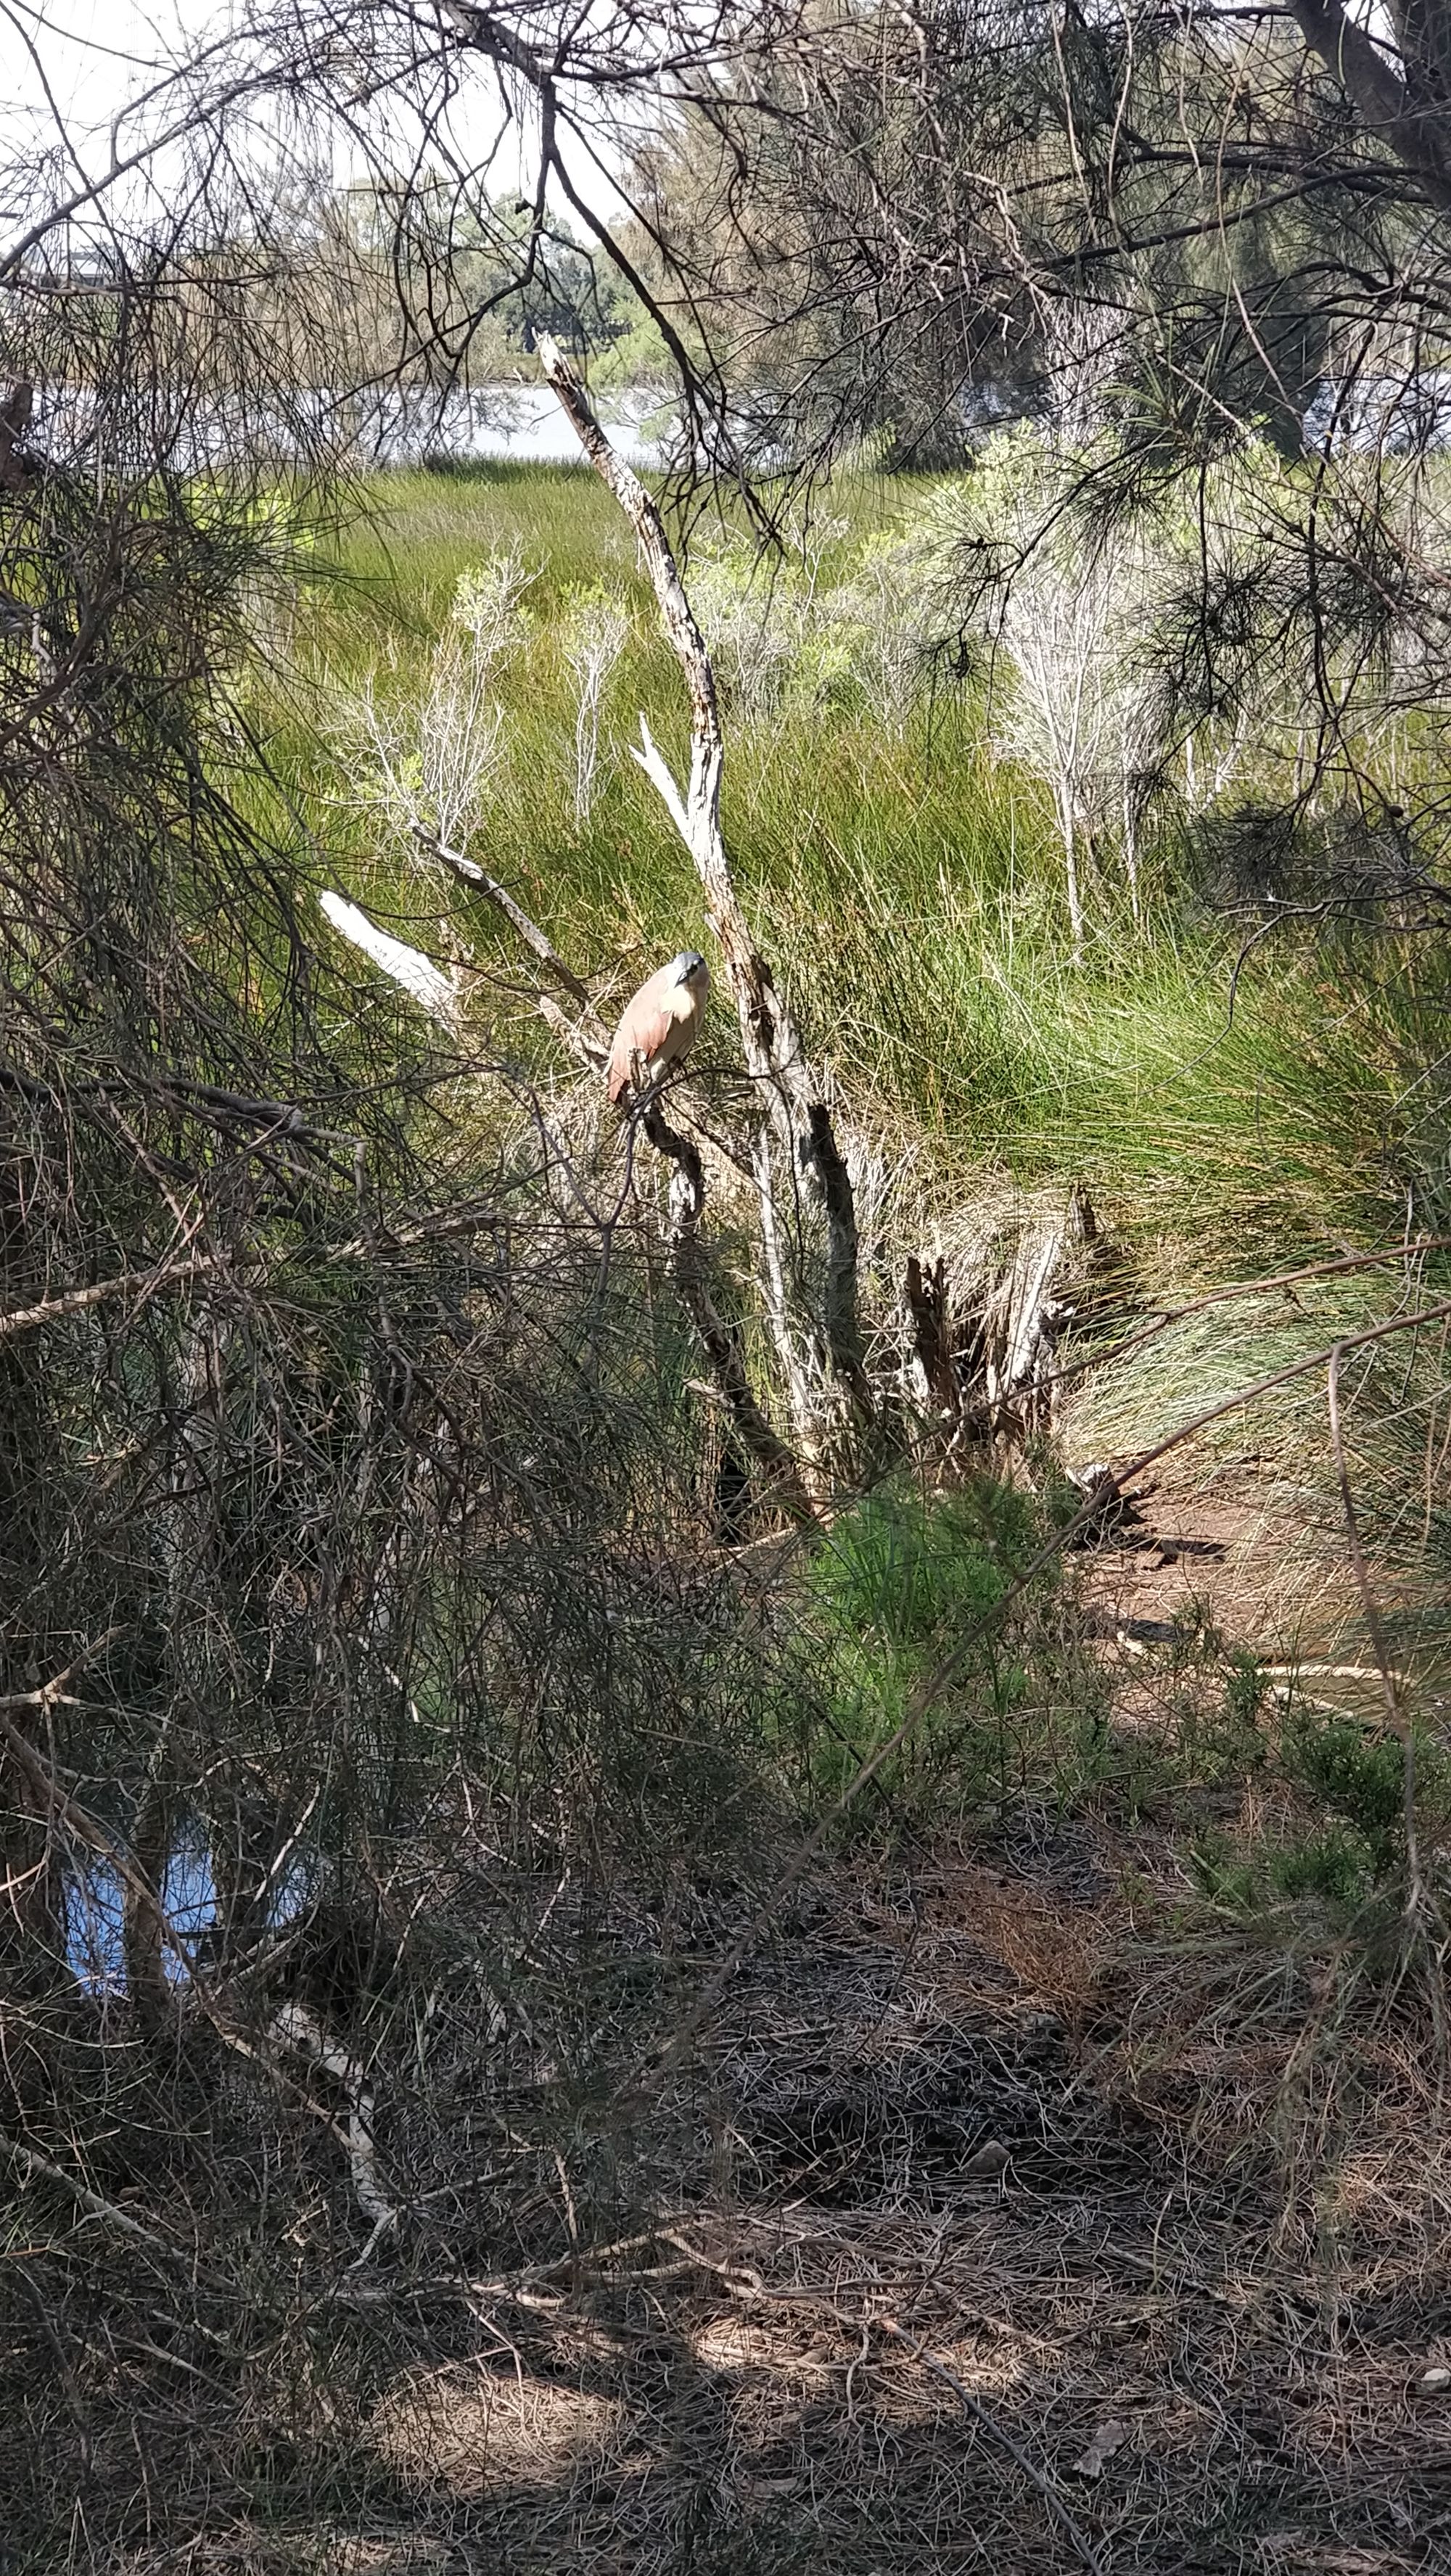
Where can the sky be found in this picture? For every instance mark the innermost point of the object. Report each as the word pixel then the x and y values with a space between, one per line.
pixel 76 63
pixel 93 53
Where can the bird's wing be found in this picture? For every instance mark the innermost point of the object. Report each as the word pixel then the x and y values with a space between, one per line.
pixel 646 1025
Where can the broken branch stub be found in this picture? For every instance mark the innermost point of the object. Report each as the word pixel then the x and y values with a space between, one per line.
pixel 803 1186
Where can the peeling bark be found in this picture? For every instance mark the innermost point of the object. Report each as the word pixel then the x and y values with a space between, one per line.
pixel 719 1340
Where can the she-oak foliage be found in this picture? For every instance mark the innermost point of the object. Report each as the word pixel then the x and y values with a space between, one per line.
pixel 344 1479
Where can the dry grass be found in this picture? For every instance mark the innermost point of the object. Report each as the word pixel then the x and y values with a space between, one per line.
pixel 475 2431
pixel 984 2147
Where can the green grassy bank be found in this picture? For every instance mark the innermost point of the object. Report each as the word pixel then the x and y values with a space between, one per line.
pixel 906 879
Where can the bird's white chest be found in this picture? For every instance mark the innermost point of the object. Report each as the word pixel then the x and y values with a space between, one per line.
pixel 682 1006
pixel 680 1015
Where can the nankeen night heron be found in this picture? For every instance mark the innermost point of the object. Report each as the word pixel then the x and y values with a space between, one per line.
pixel 658 1024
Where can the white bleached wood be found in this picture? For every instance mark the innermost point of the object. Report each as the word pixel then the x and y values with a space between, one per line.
pixel 295 2027
pixel 407 966
pixel 662 778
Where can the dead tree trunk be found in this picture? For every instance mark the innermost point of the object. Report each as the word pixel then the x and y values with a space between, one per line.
pixel 720 1343
pixel 803 1186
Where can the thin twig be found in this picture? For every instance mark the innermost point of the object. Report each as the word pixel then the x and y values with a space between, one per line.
pixel 471 874
pixel 1168 1316
pixel 997 2432
pixel 744 2282
pixel 92 2201
pixel 1400 1723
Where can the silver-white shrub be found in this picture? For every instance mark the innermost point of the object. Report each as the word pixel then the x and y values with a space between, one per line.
pixel 592 638
pixel 423 733
pixel 787 633
pixel 1076 698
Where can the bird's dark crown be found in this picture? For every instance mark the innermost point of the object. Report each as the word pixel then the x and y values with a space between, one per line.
pixel 688 964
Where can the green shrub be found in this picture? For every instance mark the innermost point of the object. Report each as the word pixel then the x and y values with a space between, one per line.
pixel 1224 1874
pixel 1221 1715
pixel 1357 1774
pixel 1335 1863
pixel 899 1594
pixel 1332 1865
pixel 906 1567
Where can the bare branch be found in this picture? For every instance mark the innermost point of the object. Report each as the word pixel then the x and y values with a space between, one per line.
pixel 295 2027
pixel 417 974
pixel 469 873
pixel 773 1048
pixel 92 2202
pixel 142 1284
pixel 1414 127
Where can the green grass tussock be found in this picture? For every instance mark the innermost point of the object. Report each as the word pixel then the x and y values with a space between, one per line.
pixel 908 883
pixel 909 1589
pixel 907 879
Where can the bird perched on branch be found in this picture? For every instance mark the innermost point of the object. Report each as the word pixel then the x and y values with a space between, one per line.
pixel 658 1025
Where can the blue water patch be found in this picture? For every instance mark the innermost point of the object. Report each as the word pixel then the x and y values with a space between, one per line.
pixel 93 1916
pixel 95 1905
